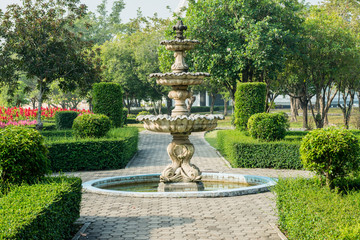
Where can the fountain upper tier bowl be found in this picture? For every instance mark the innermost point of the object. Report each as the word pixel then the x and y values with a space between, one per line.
pixel 180 124
pixel 179 79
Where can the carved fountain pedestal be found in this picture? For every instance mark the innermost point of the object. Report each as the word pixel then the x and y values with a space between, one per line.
pixel 181 175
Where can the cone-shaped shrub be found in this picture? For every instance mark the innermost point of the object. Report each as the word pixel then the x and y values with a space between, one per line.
pixel 107 100
pixel 249 99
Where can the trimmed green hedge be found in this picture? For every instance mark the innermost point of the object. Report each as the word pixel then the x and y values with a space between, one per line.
pixel 23 156
pixel 242 151
pixel 91 126
pixel 249 99
pixel 64 120
pixel 107 100
pixel 112 152
pixel 42 211
pixel 268 126
pixel 309 210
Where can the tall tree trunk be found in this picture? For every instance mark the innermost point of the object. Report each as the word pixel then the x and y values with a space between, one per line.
pixel 33 102
pixel 293 109
pixel 190 102
pixel 346 110
pixel 169 105
pixel 128 104
pixel 39 124
pixel 358 94
pixel 304 106
pixel 154 107
pixel 225 107
pixel 159 106
pixel 325 100
pixel 63 104
pixel 213 97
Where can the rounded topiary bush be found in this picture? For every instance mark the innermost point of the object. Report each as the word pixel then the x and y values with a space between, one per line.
pixel 332 153
pixel 91 125
pixel 23 156
pixel 268 126
pixel 107 100
pixel 249 99
pixel 64 120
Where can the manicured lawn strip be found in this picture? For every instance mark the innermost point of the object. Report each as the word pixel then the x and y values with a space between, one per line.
pixel 42 211
pixel 308 210
pixel 112 152
pixel 242 151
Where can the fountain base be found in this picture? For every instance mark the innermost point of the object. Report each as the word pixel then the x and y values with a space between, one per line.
pixel 181 187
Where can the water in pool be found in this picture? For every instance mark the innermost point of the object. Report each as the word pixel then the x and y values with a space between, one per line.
pixel 152 186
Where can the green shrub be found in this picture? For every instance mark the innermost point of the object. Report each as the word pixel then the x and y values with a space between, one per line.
pixel 249 99
pixel 64 120
pixel 45 210
pixel 308 210
pixel 91 125
pixel 113 152
pixel 107 100
pixel 143 113
pixel 243 151
pixel 131 118
pixel 268 126
pixel 23 156
pixel 332 153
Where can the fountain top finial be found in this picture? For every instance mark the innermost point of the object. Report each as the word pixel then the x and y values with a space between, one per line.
pixel 179 28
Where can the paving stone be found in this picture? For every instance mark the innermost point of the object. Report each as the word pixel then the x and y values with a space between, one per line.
pixel 241 217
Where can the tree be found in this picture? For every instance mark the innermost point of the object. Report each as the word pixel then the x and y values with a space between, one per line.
pixel 66 99
pixel 39 38
pixel 130 58
pixel 101 26
pixel 244 40
pixel 349 82
pixel 326 49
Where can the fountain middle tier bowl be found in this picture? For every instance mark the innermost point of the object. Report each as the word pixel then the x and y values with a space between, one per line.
pixel 179 45
pixel 178 79
pixel 180 124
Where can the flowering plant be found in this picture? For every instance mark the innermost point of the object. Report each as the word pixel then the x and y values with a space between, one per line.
pixel 27 116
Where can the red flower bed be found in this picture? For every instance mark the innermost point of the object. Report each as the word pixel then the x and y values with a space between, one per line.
pixel 26 116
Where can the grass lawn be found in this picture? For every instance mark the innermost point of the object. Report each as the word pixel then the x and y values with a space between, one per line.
pixel 211 138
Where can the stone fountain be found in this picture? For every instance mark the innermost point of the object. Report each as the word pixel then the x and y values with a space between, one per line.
pixel 181 178
pixel 181 174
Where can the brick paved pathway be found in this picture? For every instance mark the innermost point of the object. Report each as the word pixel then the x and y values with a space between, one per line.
pixel 242 217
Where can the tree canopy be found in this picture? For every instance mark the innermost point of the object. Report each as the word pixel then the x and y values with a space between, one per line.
pixel 242 40
pixel 38 40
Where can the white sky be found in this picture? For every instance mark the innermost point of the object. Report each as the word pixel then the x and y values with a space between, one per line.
pixel 148 7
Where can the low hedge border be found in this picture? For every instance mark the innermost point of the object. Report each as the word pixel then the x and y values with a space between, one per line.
pixel 46 210
pixel 309 210
pixel 244 152
pixel 92 154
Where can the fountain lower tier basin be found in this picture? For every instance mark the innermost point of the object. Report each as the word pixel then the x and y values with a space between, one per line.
pixel 180 124
pixel 216 185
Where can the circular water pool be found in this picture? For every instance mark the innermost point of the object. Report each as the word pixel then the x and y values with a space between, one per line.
pixel 216 185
